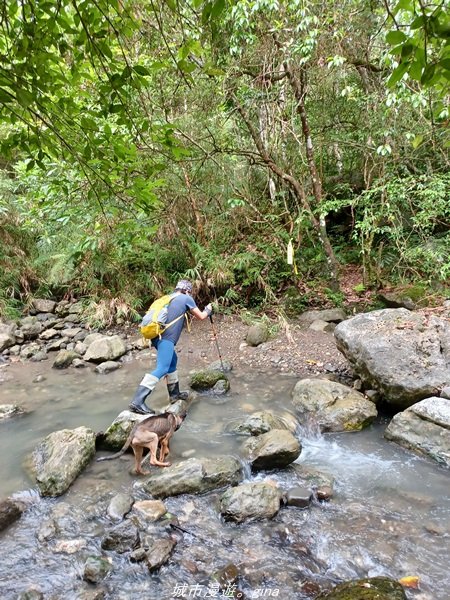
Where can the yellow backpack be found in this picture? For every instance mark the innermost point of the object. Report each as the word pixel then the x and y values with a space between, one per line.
pixel 154 322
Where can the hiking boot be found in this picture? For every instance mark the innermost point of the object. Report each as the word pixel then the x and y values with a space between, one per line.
pixel 173 387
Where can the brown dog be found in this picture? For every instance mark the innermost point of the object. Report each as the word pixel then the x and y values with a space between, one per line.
pixel 149 433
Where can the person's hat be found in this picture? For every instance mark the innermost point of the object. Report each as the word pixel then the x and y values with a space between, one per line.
pixel 184 286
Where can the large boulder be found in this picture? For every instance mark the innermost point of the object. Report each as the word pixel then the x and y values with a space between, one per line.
pixel 250 501
pixel 194 476
pixel 275 449
pixel 374 588
pixel 60 458
pixel 403 355
pixel 425 428
pixel 335 407
pixel 117 433
pixel 64 359
pixel 105 348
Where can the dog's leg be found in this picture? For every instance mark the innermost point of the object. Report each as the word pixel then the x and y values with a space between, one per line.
pixel 152 445
pixel 138 452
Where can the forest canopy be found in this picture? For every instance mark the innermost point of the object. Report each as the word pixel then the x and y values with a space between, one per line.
pixel 143 141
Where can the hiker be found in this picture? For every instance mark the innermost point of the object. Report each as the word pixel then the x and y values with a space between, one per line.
pixel 166 360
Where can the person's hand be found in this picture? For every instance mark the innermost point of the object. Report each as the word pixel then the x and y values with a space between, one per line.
pixel 209 309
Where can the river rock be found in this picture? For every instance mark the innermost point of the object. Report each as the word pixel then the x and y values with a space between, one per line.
pixel 72 332
pixel 299 496
pixel 325 326
pixel 206 380
pixel 120 506
pixel 159 553
pixel 93 337
pixel 106 348
pixel 117 433
pixel 224 366
pixel 64 359
pixel 312 478
pixel 250 501
pixel 121 538
pixel 48 334
pixel 96 568
pixel 41 305
pixel 329 315
pixel 335 407
pixel 152 510
pixel 32 593
pixel 9 410
pixel 275 449
pixel 374 588
pixel 30 350
pixel 39 356
pixel 425 428
pixel 194 476
pixel 31 327
pixel 403 355
pixel 257 334
pixel 10 512
pixel 60 457
pixel 7 335
pixel 107 367
pixel 261 422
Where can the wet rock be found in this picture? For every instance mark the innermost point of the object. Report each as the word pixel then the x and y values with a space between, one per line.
pixel 60 458
pixel 193 476
pixel 32 593
pixel 120 506
pixel 121 538
pixel 335 407
pixel 221 387
pixel 374 588
pixel 298 496
pixel 311 477
pixel 274 449
pixel 69 546
pixel 39 356
pixel 205 380
pixel 152 510
pixel 39 378
pixel 10 512
pixel 10 410
pixel 445 392
pixel 117 433
pixel 250 501
pixel 159 553
pixel 330 315
pixel 107 367
pixel 324 493
pixel 227 576
pixel 261 422
pixel 79 363
pixel 96 568
pixel 320 325
pixel 30 327
pixel 98 594
pixel 64 359
pixel 42 305
pixel 138 555
pixel 403 355
pixel 224 366
pixel 257 334
pixel 104 349
pixel 424 428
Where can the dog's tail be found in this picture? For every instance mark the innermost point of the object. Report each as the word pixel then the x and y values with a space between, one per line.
pixel 124 447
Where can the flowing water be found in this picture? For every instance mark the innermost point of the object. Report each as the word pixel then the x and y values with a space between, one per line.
pixel 390 514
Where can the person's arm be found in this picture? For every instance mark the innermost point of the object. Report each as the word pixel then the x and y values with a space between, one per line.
pixel 202 314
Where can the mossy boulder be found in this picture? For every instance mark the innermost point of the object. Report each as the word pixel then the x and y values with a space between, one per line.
pixel 374 588
pixel 116 434
pixel 206 380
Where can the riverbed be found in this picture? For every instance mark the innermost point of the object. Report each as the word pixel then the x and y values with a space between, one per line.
pixel 390 514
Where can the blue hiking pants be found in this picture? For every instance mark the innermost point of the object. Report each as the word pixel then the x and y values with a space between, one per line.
pixel 166 358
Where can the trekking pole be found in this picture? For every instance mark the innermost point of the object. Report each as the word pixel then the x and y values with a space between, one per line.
pixel 217 343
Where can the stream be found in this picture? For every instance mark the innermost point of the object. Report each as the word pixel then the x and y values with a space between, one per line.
pixel 390 514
